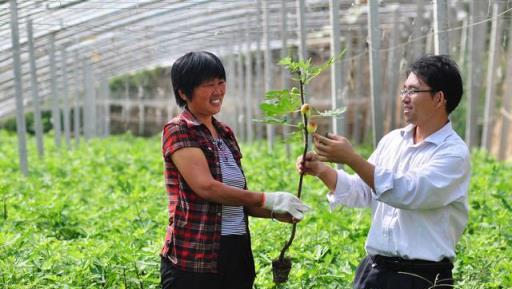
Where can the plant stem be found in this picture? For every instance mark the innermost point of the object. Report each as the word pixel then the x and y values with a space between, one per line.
pixel 5 209
pixel 299 190
pixel 138 276
pixel 124 278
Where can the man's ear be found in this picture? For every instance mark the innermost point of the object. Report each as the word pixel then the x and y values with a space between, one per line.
pixel 440 98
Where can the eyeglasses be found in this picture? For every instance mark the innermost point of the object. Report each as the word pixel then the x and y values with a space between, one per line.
pixel 409 92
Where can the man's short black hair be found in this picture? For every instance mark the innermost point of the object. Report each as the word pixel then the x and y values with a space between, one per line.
pixel 441 74
pixel 192 69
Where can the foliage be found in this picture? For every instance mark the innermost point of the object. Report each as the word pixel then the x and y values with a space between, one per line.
pixel 147 79
pixel 10 123
pixel 95 217
pixel 284 102
pixel 279 105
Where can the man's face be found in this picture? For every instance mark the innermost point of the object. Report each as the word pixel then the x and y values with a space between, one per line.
pixel 420 103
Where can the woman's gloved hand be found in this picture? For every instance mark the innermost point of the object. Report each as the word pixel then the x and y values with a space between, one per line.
pixel 284 202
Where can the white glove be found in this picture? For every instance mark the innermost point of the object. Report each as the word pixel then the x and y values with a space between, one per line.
pixel 284 202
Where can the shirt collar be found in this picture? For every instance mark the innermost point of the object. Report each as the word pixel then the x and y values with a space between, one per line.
pixel 436 138
pixel 192 121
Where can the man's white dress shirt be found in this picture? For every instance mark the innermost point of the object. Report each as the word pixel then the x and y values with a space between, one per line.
pixel 420 203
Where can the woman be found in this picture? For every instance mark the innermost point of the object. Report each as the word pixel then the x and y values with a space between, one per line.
pixel 207 244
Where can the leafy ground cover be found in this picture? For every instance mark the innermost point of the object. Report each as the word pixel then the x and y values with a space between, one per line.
pixel 95 217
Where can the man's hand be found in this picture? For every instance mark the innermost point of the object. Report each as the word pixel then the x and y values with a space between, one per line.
pixel 311 165
pixel 284 202
pixel 334 148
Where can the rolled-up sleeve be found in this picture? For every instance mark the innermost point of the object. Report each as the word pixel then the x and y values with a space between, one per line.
pixel 351 191
pixel 438 183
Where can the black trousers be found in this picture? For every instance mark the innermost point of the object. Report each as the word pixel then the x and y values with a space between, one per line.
pixel 235 265
pixel 379 272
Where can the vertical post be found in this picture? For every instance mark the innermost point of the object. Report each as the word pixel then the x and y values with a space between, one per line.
pixel 284 73
pixel 141 110
pixel 419 44
pixel 77 123
pixel 259 70
pixel 358 118
pixel 393 69
pixel 55 93
pixel 65 96
pixel 507 104
pixel 248 97
pixel 301 22
pixel 490 98
pixel 440 26
pixel 476 44
pixel 463 43
pixel 89 117
pixel 240 75
pixel 268 65
pixel 125 114
pixel 231 87
pixel 348 90
pixel 38 126
pixel 374 35
pixel 336 76
pixel 20 115
pixel 106 107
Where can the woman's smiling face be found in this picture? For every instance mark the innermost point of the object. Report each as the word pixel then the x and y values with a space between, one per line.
pixel 206 98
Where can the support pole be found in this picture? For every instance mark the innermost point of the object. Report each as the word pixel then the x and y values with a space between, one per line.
pixel 248 97
pixel 440 27
pixel 55 94
pixel 507 104
pixel 240 75
pixel 375 79
pixel 490 98
pixel 89 117
pixel 476 44
pixel 106 106
pixel 393 69
pixel 336 75
pixel 20 115
pixel 285 76
pixel 301 22
pixel 141 110
pixel 77 123
pixel 259 69
pixel 65 97
pixel 268 66
pixel 38 125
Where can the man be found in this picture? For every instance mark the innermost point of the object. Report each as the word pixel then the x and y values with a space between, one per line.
pixel 415 182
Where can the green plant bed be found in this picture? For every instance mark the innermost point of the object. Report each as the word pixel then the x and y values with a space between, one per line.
pixel 95 217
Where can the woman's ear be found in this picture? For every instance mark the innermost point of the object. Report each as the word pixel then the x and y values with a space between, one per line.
pixel 182 95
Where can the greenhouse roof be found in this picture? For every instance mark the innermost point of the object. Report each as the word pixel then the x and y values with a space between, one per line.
pixel 115 37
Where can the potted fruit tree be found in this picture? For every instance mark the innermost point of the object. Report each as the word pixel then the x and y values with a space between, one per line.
pixel 277 108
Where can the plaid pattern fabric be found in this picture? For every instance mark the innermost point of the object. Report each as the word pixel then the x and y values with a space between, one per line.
pixel 193 235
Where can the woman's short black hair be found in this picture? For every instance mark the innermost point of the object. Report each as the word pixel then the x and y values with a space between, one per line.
pixel 192 69
pixel 441 74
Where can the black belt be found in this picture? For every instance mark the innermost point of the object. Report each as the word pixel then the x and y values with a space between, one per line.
pixel 400 264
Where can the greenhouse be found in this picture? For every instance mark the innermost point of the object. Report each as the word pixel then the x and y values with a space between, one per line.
pixel 86 95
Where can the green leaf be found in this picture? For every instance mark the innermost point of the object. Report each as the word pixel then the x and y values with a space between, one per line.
pixel 272 120
pixel 280 102
pixel 333 113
